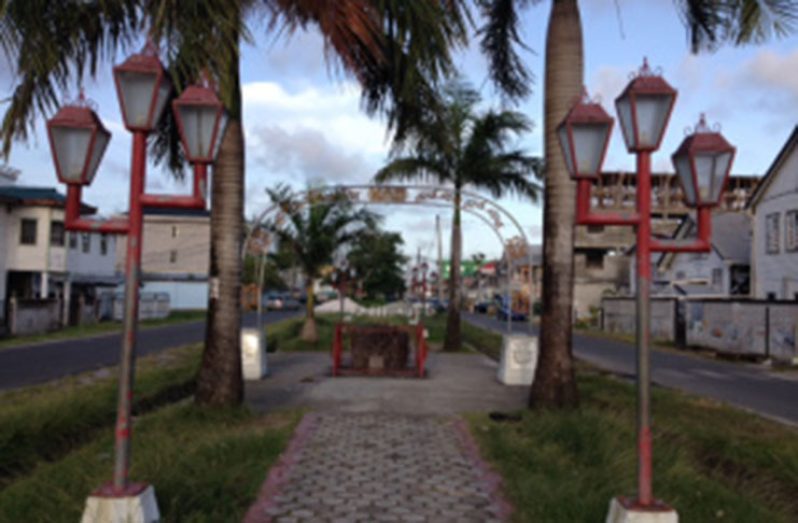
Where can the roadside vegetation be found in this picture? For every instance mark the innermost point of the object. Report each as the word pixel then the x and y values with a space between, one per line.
pixel 56 444
pixel 97 329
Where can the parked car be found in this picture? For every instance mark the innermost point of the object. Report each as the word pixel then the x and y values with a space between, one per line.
pixel 502 312
pixel 273 301
pixel 437 305
pixel 482 307
pixel 290 303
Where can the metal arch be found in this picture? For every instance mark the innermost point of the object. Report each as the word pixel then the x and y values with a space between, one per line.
pixel 494 210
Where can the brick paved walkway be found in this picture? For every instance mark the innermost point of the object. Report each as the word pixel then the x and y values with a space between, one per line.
pixel 380 467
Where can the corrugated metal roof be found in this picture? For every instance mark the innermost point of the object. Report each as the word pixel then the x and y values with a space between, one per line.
pixel 47 196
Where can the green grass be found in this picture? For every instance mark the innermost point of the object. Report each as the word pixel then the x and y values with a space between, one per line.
pixel 83 331
pixel 41 424
pixel 711 462
pixel 206 465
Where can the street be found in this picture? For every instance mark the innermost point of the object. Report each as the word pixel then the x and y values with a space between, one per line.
pixel 756 388
pixel 32 364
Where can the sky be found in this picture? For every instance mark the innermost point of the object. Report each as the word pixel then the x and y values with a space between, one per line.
pixel 303 122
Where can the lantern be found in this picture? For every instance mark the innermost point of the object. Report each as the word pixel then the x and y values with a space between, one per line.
pixel 143 89
pixel 703 162
pixel 584 135
pixel 644 109
pixel 78 141
pixel 201 120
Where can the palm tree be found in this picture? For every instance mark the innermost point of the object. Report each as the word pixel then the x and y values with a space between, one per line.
pixel 460 148
pixel 396 50
pixel 315 232
pixel 710 23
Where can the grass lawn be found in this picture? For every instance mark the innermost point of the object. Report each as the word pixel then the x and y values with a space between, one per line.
pixel 96 329
pixel 43 423
pixel 56 444
pixel 711 462
pixel 206 465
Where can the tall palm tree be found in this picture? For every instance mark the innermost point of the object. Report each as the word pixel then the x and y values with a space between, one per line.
pixel 315 232
pixel 710 23
pixel 396 50
pixel 458 147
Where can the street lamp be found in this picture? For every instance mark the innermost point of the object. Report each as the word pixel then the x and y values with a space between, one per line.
pixel 702 162
pixel 78 140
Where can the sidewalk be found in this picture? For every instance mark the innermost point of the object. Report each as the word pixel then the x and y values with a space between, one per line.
pixel 380 449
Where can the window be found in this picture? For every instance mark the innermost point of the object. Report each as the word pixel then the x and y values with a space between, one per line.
pixel 595 229
pixel 174 231
pixel 772 233
pixel 172 256
pixel 771 296
pixel 73 240
pixel 104 245
pixel 27 231
pixel 57 234
pixel 791 231
pixel 717 277
pixel 85 242
pixel 594 260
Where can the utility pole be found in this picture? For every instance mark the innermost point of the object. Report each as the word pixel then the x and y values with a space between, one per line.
pixel 440 257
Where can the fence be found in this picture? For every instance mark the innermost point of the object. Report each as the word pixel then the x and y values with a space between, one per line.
pixel 33 316
pixel 618 315
pixel 152 306
pixel 750 328
pixel 762 329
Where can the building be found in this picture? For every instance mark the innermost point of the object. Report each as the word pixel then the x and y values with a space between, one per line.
pixel 39 260
pixel 724 271
pixel 175 256
pixel 602 264
pixel 774 206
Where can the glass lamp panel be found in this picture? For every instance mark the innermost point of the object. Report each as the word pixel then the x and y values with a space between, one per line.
pixel 652 111
pixel 704 168
pixel 71 146
pixel 223 119
pixel 683 169
pixel 137 90
pixel 722 164
pixel 163 96
pixel 589 142
pixel 100 144
pixel 198 124
pixel 562 133
pixel 624 108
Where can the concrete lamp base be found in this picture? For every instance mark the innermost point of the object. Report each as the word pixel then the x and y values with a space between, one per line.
pixel 624 510
pixel 135 505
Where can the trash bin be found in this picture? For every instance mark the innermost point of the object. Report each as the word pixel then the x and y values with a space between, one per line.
pixel 519 359
pixel 253 354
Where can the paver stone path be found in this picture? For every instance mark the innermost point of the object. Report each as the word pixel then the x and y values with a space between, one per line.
pixel 351 467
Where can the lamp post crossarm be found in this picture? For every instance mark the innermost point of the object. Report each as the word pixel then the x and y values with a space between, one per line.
pixel 584 215
pixel 701 243
pixel 73 221
pixel 196 200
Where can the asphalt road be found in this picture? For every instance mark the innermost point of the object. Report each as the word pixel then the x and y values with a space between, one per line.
pixel 33 364
pixel 752 387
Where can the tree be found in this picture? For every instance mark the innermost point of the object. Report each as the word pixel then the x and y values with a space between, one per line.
pixel 314 232
pixel 378 261
pixel 709 23
pixel 456 146
pixel 396 50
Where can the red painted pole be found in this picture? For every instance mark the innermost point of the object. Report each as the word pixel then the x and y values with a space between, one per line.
pixel 644 492
pixel 132 279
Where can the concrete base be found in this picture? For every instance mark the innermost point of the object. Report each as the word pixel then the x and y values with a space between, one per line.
pixel 519 359
pixel 137 506
pixel 623 511
pixel 253 354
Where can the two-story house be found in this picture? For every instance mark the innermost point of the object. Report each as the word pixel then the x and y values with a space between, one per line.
pixel 39 260
pixel 724 271
pixel 175 256
pixel 774 206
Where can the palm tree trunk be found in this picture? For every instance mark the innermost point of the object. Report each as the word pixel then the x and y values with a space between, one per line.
pixel 554 385
pixel 453 340
pixel 309 331
pixel 219 382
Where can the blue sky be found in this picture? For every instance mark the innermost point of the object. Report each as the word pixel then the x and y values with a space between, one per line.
pixel 303 123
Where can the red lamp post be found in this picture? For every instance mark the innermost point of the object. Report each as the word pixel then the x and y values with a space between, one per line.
pixel 78 141
pixel 702 162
